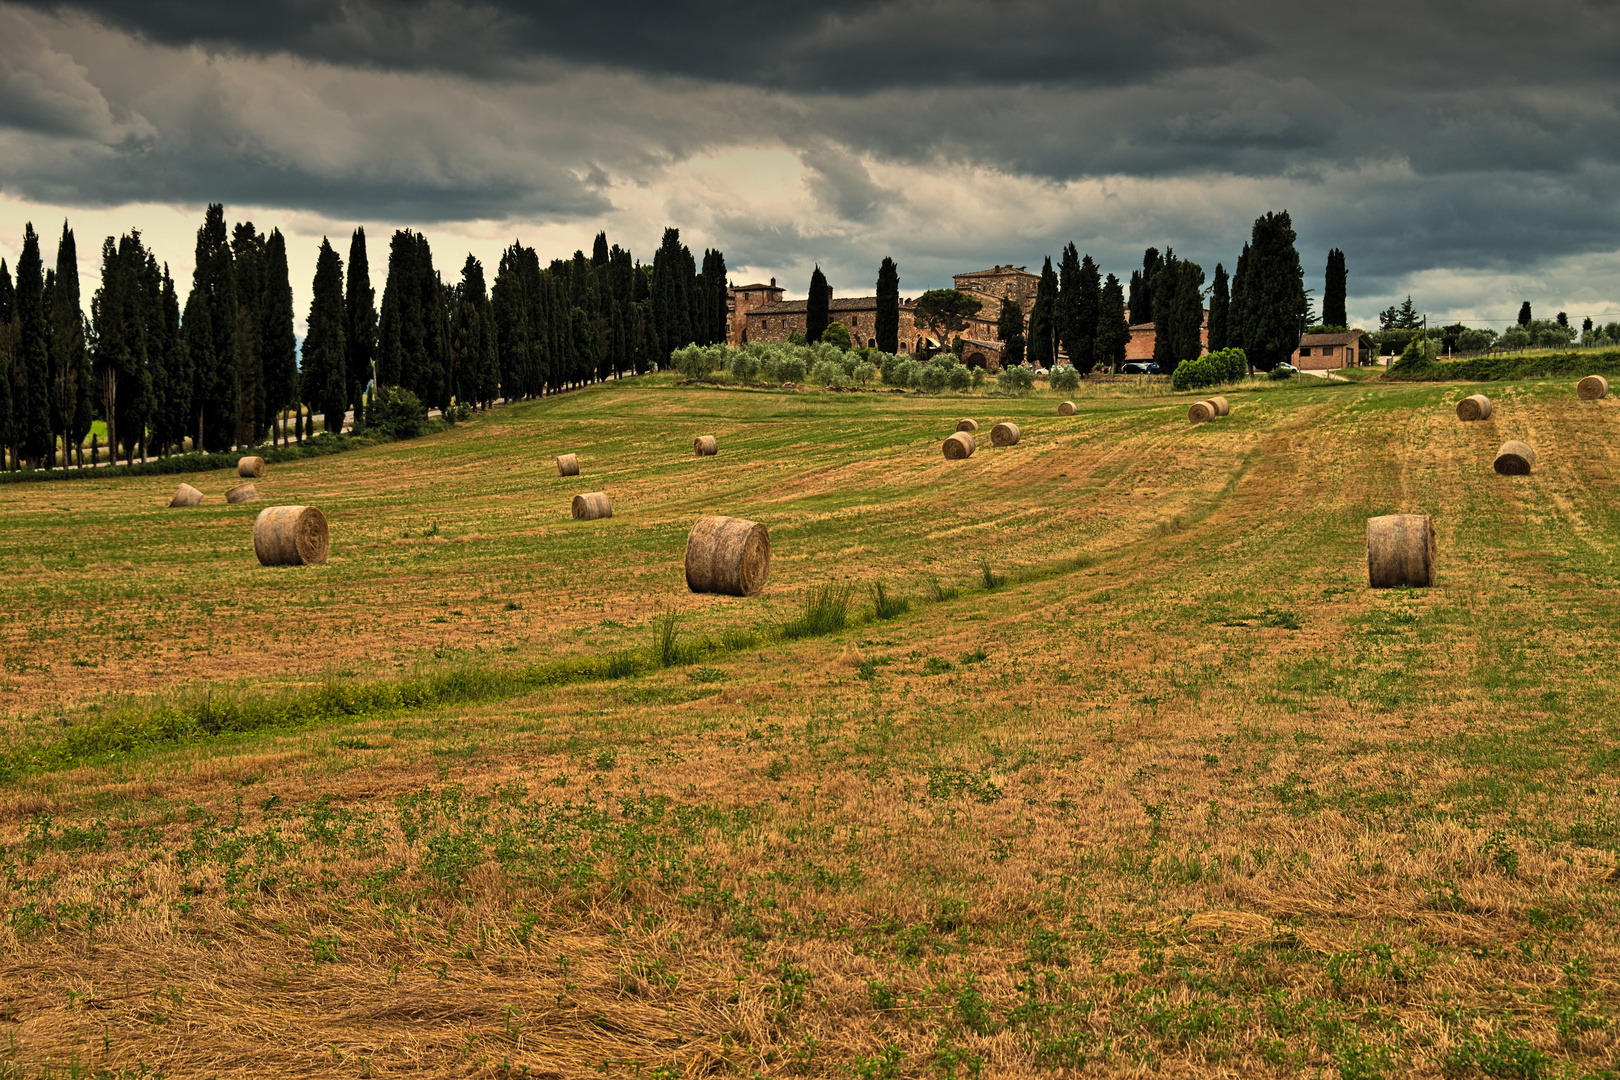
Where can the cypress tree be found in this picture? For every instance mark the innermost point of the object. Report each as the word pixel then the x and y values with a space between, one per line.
pixel 1274 294
pixel 510 302
pixel 1142 286
pixel 1166 281
pixel 887 329
pixel 1088 316
pixel 1067 313
pixel 817 309
pixel 1335 291
pixel 8 356
pixel 172 404
pixel 121 311
pixel 360 304
pixel 1524 309
pixel 599 250
pixel 70 354
pixel 671 304
pixel 1113 331
pixel 278 344
pixel 1041 346
pixel 247 250
pixel 1220 302
pixel 33 362
pixel 140 394
pixel 1237 320
pixel 215 394
pixel 325 356
pixel 197 344
pixel 473 336
pixel 1010 332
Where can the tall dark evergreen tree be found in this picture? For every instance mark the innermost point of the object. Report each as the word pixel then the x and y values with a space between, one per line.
pixel 33 362
pixel 472 337
pixel 1113 331
pixel 360 305
pixel 887 322
pixel 1041 335
pixel 326 365
pixel 278 343
pixel 413 346
pixel 1010 332
pixel 1273 292
pixel 214 361
pixel 671 296
pixel 8 361
pixel 122 312
pixel 1335 291
pixel 1220 304
pixel 817 309
pixel 1237 321
pixel 1087 316
pixel 1524 310
pixel 70 353
pixel 1141 298
pixel 171 404
pixel 1067 312
pixel 247 251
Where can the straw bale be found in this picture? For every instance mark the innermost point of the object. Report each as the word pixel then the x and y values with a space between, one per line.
pixel 567 464
pixel 186 495
pixel 960 446
pixel 1201 411
pixel 705 446
pixel 592 505
pixel 1514 459
pixel 1005 433
pixel 242 493
pixel 967 425
pixel 290 536
pixel 1474 407
pixel 1400 551
pixel 1592 388
pixel 1066 409
pixel 250 468
pixel 727 555
pixel 1222 406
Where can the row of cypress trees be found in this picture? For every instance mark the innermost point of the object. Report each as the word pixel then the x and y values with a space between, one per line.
pixel 221 374
pixel 1077 309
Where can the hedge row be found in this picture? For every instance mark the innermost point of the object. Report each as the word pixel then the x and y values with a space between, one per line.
pixel 1567 365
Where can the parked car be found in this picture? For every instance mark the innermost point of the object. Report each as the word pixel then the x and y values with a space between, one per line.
pixel 1134 369
pixel 1285 367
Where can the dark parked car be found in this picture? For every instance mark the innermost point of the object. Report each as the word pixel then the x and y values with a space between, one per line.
pixel 1153 369
pixel 1133 369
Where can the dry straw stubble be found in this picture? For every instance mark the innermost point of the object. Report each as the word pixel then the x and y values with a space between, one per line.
pixel 592 505
pixel 1066 409
pixel 960 446
pixel 242 493
pixel 1515 458
pixel 1474 407
pixel 250 467
pixel 290 536
pixel 1592 388
pixel 1005 433
pixel 727 555
pixel 567 464
pixel 1400 551
pixel 186 495
pixel 967 425
pixel 705 446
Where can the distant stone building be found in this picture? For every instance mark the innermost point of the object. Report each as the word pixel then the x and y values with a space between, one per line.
pixel 741 301
pixel 1143 338
pixel 998 286
pixel 778 319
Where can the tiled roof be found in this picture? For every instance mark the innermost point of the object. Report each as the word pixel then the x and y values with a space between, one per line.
pixel 797 307
pixel 1333 339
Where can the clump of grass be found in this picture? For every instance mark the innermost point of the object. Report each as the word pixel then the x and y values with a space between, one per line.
pixel 666 646
pixel 826 611
pixel 992 580
pixel 886 606
pixel 942 593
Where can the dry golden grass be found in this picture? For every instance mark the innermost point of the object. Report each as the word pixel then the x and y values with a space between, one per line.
pixel 1202 805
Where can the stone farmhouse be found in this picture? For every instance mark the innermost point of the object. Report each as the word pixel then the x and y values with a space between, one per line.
pixel 1143 338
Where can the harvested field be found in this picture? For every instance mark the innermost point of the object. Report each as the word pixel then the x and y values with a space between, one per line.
pixel 1183 797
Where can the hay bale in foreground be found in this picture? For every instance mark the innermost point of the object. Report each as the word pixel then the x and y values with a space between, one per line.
pixel 290 536
pixel 1222 406
pixel 1474 407
pixel 250 467
pixel 967 425
pixel 1592 388
pixel 567 464
pixel 727 555
pixel 1201 411
pixel 186 495
pixel 1066 409
pixel 592 505
pixel 960 446
pixel 705 446
pixel 242 493
pixel 1005 433
pixel 1514 459
pixel 1400 551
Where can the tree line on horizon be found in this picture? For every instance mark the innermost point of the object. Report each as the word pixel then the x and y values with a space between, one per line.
pixel 225 371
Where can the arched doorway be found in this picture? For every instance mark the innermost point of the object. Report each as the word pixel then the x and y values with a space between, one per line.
pixel 977 359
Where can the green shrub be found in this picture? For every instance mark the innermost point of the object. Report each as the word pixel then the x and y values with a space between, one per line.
pixel 1279 373
pixel 692 361
pixel 978 378
pixel 958 377
pixel 1232 365
pixel 865 372
pixel 934 377
pixel 1194 375
pixel 744 365
pixel 907 374
pixel 888 366
pixel 827 373
pixel 400 413
pixel 791 369
pixel 1018 379
pixel 837 334
pixel 1065 379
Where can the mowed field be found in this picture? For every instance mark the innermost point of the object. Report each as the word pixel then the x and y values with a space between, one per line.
pixel 1145 782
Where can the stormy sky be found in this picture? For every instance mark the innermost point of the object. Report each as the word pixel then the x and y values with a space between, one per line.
pixel 1467 154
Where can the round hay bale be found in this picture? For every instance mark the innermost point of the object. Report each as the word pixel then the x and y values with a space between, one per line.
pixel 186 495
pixel 592 505
pixel 1066 409
pixel 1005 433
pixel 1201 411
pixel 1474 407
pixel 242 493
pixel 1222 406
pixel 1592 388
pixel 290 536
pixel 1514 459
pixel 1400 551
pixel 727 555
pixel 960 446
pixel 705 446
pixel 967 425
pixel 250 467
pixel 567 464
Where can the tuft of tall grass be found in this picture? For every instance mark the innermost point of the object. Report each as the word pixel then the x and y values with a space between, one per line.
pixel 992 580
pixel 666 646
pixel 942 593
pixel 886 606
pixel 826 611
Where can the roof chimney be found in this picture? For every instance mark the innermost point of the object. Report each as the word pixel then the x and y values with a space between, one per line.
pixel 773 283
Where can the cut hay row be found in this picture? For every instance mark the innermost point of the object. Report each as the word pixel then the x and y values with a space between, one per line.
pixel 727 555
pixel 1474 407
pixel 290 536
pixel 1400 551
